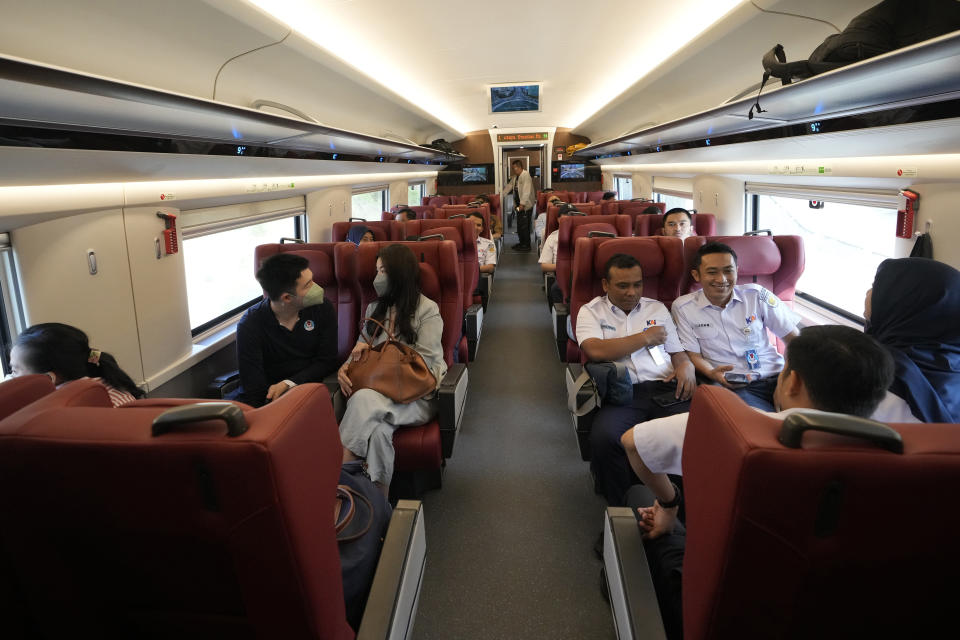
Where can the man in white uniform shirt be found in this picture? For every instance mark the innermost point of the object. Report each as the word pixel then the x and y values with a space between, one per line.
pixel 724 326
pixel 623 326
pixel 548 255
pixel 486 249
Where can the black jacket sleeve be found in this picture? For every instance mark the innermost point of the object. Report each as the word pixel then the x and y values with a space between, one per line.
pixel 253 376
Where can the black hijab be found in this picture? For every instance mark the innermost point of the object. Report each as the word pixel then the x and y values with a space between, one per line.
pixel 916 315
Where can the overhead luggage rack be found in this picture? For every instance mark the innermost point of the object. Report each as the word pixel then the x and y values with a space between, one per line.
pixel 923 78
pixel 41 97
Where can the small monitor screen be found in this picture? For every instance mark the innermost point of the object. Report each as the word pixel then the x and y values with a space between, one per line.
pixel 572 171
pixel 515 98
pixel 475 174
pixel 536 172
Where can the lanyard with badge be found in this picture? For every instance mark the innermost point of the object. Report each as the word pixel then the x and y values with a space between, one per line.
pixel 750 355
pixel 655 352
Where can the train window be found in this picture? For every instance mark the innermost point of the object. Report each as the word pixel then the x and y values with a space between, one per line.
pixel 843 241
pixel 12 321
pixel 623 185
pixel 370 204
pixel 415 193
pixel 674 200
pixel 219 268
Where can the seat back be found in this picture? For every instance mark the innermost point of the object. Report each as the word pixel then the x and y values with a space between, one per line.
pixel 444 213
pixel 704 224
pixel 438 201
pixel 439 280
pixel 322 261
pixel 383 230
pixel 661 260
pixel 17 393
pixel 553 212
pixel 569 225
pixel 461 233
pixel 806 525
pixel 118 533
pixel 421 211
pixel 543 195
pixel 775 262
pixel 593 196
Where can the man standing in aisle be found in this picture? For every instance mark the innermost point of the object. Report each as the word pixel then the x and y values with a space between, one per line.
pixel 520 187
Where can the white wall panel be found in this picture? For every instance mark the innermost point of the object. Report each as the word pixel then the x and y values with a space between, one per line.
pixel 57 285
pixel 326 207
pixel 724 198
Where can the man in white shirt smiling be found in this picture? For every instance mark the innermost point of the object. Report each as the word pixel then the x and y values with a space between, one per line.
pixel 625 327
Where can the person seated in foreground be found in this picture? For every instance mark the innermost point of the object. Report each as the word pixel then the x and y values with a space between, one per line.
pixel 724 326
pixel 625 327
pixel 913 309
pixel 677 223
pixel 828 368
pixel 405 214
pixel 486 249
pixel 367 427
pixel 289 337
pixel 548 256
pixel 63 352
pixel 359 234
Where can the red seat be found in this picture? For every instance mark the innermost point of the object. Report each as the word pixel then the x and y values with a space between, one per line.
pixel 554 210
pixel 704 224
pixel 118 533
pixel 543 195
pixel 17 393
pixel 792 542
pixel 444 213
pixel 774 262
pixel 383 230
pixel 322 261
pixel 438 201
pixel 620 225
pixel 594 196
pixel 461 232
pixel 420 450
pixel 421 211
pixel 661 260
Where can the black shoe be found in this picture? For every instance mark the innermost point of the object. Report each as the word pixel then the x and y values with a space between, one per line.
pixel 521 247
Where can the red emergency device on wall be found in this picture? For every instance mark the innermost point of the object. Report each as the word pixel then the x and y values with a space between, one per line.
pixel 170 245
pixel 906 216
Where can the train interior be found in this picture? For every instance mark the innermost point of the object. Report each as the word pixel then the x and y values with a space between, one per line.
pixel 153 154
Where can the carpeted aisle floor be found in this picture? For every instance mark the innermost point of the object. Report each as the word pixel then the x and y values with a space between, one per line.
pixel 510 534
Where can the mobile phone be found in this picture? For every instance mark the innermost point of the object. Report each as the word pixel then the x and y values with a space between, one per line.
pixel 736 378
pixel 667 399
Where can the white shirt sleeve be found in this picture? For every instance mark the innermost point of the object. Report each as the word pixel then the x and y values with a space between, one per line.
pixel 549 253
pixel 776 315
pixel 688 339
pixel 893 409
pixel 588 325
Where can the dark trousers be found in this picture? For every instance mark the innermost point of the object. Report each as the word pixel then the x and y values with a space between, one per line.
pixel 759 394
pixel 608 461
pixel 523 227
pixel 665 559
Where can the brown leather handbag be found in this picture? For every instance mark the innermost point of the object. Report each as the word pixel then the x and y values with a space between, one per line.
pixel 391 368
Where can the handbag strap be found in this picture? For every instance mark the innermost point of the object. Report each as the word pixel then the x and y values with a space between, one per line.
pixel 573 390
pixel 363 323
pixel 344 496
pixel 365 500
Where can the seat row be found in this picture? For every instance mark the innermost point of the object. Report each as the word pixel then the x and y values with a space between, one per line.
pixel 165 518
pixel 594 197
pixel 440 201
pixel 639 224
pixel 346 272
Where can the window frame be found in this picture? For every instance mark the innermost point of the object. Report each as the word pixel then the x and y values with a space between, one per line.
pixel 616 184
pixel 12 319
pixel 384 198
pixel 422 186
pixel 300 233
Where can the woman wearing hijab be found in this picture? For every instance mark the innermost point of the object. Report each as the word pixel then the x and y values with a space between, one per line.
pixel 359 234
pixel 913 310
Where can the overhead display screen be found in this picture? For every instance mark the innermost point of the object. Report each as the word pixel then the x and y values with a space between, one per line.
pixel 512 99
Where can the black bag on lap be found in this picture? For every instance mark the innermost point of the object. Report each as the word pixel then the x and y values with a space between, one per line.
pixel 361 516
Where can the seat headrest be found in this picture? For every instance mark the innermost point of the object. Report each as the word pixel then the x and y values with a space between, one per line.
pixel 321 265
pixel 645 250
pixel 583 230
pixel 756 255
pixel 448 233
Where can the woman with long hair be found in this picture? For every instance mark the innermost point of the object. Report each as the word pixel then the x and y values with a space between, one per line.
pixel 63 352
pixel 367 427
pixel 913 310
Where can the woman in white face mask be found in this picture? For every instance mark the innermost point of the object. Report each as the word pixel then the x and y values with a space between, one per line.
pixel 367 427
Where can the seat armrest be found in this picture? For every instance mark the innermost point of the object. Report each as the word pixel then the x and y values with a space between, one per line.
pixel 452 400
pixel 560 312
pixel 582 425
pixel 549 278
pixel 337 399
pixel 633 599
pixel 221 386
pixel 473 324
pixel 392 605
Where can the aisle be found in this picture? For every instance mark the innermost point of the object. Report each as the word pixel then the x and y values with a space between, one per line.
pixel 510 534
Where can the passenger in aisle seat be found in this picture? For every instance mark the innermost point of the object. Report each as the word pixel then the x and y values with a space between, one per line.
pixel 63 352
pixel 486 249
pixel 367 427
pixel 405 214
pixel 677 223
pixel 724 326
pixel 548 256
pixel 609 195
pixel 359 234
pixel 289 337
pixel 913 309
pixel 625 327
pixel 496 229
pixel 540 224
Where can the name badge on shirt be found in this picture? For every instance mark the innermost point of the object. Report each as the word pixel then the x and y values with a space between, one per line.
pixel 753 360
pixel 309 325
pixel 657 355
